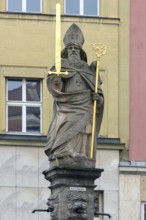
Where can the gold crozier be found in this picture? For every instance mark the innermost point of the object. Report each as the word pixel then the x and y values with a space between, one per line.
pixel 100 49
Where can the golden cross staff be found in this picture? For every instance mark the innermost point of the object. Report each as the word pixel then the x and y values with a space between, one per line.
pixel 58 44
pixel 100 49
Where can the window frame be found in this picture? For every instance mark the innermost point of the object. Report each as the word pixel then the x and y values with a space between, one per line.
pixel 24 104
pixel 24 8
pixel 81 2
pixel 143 204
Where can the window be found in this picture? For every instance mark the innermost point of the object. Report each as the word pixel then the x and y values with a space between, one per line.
pixel 30 6
pixel 143 211
pixel 82 7
pixel 24 104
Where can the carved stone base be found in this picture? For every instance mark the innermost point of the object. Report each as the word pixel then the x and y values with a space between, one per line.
pixel 72 188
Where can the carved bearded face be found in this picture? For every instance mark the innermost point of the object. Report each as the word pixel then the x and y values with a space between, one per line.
pixel 73 52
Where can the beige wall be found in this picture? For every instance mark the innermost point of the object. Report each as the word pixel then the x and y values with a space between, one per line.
pixel 124 28
pixel 35 50
pixel 109 8
pixel 3 5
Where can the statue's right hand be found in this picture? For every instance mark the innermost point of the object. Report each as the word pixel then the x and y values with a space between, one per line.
pixel 58 82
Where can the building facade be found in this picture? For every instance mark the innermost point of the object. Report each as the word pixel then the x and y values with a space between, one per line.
pixel 27 53
pixel 133 171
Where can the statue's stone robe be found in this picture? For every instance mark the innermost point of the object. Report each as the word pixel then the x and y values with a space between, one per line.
pixel 70 131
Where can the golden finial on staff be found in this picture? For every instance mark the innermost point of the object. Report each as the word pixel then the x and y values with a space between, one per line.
pixel 100 50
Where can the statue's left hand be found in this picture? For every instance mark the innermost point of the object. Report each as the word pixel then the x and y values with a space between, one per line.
pixel 98 98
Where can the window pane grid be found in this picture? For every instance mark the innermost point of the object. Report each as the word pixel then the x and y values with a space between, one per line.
pixel 143 211
pixel 82 7
pixel 14 5
pixel 72 7
pixel 14 118
pixel 32 90
pixel 88 10
pixel 33 119
pixel 23 5
pixel 23 90
pixel 24 119
pixel 24 103
pixel 14 90
pixel 29 120
pixel 31 6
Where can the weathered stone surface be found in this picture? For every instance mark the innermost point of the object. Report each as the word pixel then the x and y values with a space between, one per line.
pixel 74 95
pixel 129 210
pixel 43 163
pixel 72 189
pixel 73 163
pixel 27 167
pixel 7 166
pixel 8 203
pixel 109 161
pixel 128 182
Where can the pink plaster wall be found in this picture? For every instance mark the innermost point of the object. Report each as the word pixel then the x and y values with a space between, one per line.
pixel 138 80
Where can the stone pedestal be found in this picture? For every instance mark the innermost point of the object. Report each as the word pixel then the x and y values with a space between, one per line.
pixel 72 188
